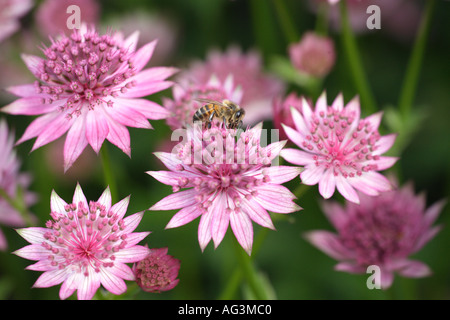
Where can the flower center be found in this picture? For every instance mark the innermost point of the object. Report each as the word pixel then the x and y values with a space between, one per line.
pixel 342 145
pixel 84 70
pixel 83 238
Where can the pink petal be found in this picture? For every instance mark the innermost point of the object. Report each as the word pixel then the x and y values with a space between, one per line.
pixel 125 114
pixel 31 106
pixel 33 235
pixel 299 121
pixel 111 282
pixel 170 160
pixel 312 174
pixel 204 229
pixel 57 204
pixel 75 142
pixel 426 237
pixel 385 162
pixel 306 109
pixel 3 242
pixel 384 144
pixel 33 63
pixel 56 129
pixel 433 212
pixel 176 200
pixel 281 174
pixel 25 90
pixel 327 184
pixel 256 213
pixel 105 198
pixel 79 196
pixel 131 222
pixel 376 181
pixel 119 136
pixel 276 198
pixel 346 190
pixel 37 126
pixel 132 254
pixel 150 109
pixel 220 218
pixel 387 277
pixel 374 120
pixel 143 55
pixel 131 42
pixel 32 252
pixel 51 278
pixel 321 104
pixel 329 243
pixel 297 157
pixel 123 271
pixel 353 109
pixel 412 269
pixel 349 267
pixel 242 229
pixel 167 177
pixel 184 216
pixel 293 135
pixel 69 286
pixel 88 286
pixel 96 128
pixel 338 103
pixel 335 213
pixel 135 238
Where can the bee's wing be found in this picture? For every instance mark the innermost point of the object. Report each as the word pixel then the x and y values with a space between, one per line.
pixel 208 101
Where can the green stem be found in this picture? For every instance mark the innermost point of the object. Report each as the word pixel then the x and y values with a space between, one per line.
pixel 322 19
pixel 415 61
pixel 249 272
pixel 107 172
pixel 286 22
pixel 236 278
pixel 355 63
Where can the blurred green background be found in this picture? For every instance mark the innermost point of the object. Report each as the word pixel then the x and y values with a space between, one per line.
pixel 293 268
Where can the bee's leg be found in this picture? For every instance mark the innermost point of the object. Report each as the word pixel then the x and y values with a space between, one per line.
pixel 210 119
pixel 224 122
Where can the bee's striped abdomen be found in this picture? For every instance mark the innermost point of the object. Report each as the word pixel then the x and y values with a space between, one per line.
pixel 199 115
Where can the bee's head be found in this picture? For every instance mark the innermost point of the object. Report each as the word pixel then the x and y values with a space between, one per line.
pixel 239 115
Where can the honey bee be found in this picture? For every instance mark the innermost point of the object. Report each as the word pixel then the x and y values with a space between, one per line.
pixel 228 111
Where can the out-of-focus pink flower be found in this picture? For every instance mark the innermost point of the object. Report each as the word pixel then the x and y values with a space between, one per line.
pixel 85 245
pixel 282 112
pixel 339 149
pixel 51 16
pixel 382 230
pixel 151 26
pixel 184 104
pixel 228 181
pixel 313 54
pixel 259 88
pixel 12 184
pixel 157 272
pixel 88 86
pixel 10 12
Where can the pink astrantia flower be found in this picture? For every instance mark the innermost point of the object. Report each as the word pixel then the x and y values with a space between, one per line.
pixel 228 181
pixel 157 272
pixel 10 12
pixel 87 244
pixel 313 54
pixel 282 112
pixel 12 184
pixel 339 149
pixel 383 230
pixel 183 105
pixel 259 88
pixel 88 87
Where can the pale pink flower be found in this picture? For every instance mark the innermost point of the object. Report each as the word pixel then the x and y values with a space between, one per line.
pixel 12 184
pixel 382 230
pixel 259 87
pixel 228 181
pixel 51 15
pixel 85 245
pixel 157 272
pixel 313 54
pixel 88 86
pixel 185 92
pixel 339 149
pixel 282 112
pixel 10 12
